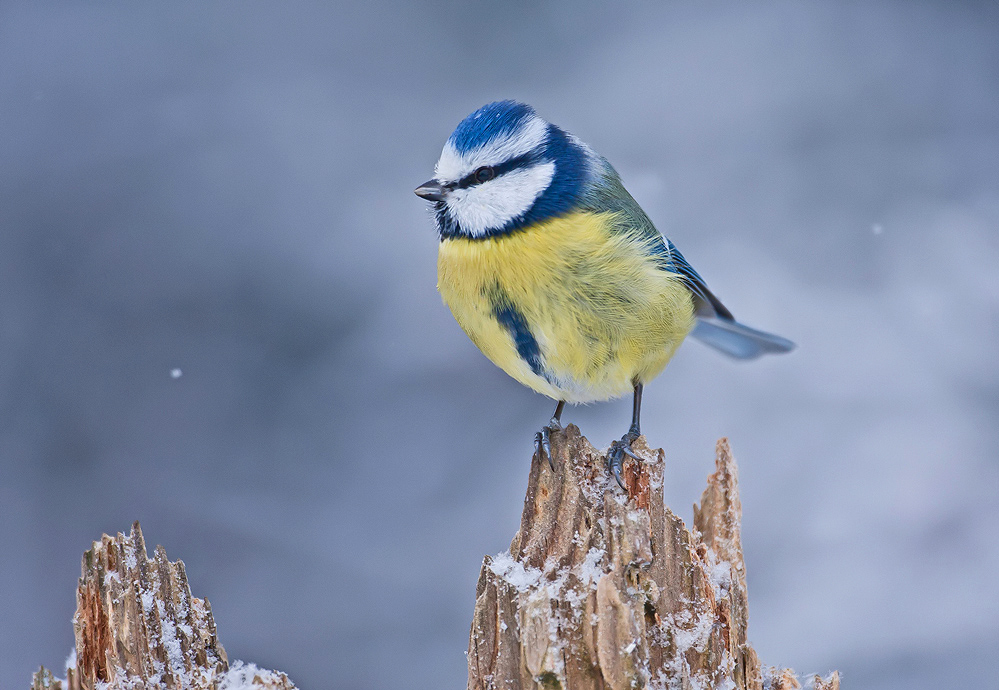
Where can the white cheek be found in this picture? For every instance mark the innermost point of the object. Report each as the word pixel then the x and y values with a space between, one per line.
pixel 493 204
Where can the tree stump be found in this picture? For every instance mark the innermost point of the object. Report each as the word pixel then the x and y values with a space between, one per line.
pixel 137 626
pixel 603 590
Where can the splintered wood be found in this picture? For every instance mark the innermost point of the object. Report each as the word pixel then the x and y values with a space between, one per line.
pixel 137 626
pixel 606 591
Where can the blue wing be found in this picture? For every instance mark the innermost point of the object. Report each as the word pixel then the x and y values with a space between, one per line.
pixel 705 303
pixel 715 324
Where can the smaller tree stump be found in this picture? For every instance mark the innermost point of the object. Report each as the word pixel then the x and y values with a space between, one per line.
pixel 606 591
pixel 137 626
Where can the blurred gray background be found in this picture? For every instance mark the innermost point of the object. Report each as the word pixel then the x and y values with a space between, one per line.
pixel 226 189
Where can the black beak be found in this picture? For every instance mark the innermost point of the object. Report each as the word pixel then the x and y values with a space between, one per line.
pixel 431 191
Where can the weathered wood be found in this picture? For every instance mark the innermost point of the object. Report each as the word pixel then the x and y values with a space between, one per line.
pixel 606 591
pixel 137 626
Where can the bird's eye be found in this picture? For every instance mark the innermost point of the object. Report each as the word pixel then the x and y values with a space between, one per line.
pixel 484 174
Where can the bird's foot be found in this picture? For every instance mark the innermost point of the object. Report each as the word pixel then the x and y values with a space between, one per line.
pixel 616 453
pixel 543 442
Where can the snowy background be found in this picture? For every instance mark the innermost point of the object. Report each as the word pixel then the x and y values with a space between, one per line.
pixel 226 189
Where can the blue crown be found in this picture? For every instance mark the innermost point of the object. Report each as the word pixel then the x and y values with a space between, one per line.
pixel 504 118
pixel 489 121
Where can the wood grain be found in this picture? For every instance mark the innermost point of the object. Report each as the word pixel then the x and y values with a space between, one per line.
pixel 137 626
pixel 603 590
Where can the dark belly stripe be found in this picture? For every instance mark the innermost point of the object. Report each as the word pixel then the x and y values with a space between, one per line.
pixel 527 347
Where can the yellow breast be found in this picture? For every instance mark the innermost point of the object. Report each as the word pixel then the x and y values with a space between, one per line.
pixel 569 307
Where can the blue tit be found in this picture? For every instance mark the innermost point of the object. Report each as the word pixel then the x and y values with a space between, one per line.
pixel 557 274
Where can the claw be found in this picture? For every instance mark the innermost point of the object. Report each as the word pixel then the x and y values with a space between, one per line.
pixel 615 457
pixel 617 477
pixel 615 461
pixel 543 442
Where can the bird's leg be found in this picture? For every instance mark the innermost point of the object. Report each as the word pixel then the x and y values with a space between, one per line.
pixel 542 439
pixel 618 449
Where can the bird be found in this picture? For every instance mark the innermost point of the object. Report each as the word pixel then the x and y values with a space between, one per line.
pixel 558 276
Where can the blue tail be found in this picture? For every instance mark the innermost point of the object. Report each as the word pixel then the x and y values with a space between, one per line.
pixel 736 340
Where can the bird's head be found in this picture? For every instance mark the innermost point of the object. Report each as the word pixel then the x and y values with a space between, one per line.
pixel 504 168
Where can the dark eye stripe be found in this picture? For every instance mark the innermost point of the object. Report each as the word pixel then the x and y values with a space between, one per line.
pixel 504 167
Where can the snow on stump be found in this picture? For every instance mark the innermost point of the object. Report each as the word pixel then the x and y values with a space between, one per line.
pixel 137 626
pixel 606 591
